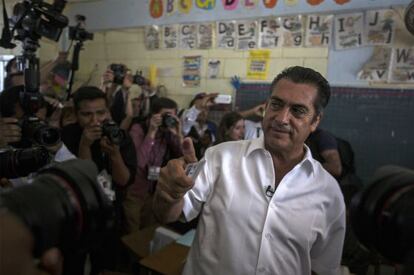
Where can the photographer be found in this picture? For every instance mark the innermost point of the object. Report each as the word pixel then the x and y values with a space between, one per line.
pixel 115 159
pixel 116 82
pixel 197 126
pixel 157 140
pixel 12 112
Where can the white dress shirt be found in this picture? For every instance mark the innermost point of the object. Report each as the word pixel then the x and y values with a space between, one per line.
pixel 245 230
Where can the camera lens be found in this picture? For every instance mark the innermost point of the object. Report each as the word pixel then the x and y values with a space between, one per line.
pixel 64 207
pixel 115 134
pixel 168 121
pixel 38 131
pixel 22 162
pixel 382 214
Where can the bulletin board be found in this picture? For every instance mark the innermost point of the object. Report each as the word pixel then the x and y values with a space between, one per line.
pixel 379 123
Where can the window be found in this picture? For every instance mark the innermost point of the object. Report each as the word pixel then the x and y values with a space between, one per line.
pixel 3 61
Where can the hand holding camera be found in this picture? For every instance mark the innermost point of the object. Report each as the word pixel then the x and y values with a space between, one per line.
pixel 10 131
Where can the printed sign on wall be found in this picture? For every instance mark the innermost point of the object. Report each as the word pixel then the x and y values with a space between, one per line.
pixel 246 34
pixel 226 34
pixel 348 30
pixel 292 29
pixel 213 69
pixel 205 36
pixel 152 37
pixel 258 64
pixel 402 65
pixel 191 71
pixel 318 30
pixel 170 36
pixel 376 69
pixel 380 27
pixel 188 36
pixel 270 33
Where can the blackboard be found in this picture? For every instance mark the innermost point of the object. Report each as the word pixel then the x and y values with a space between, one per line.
pixel 379 123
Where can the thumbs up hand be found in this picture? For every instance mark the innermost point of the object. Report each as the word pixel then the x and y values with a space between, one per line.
pixel 173 182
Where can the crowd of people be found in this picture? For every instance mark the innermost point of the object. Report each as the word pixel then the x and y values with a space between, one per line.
pixel 263 202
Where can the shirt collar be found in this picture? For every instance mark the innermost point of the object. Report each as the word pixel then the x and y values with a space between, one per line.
pixel 307 161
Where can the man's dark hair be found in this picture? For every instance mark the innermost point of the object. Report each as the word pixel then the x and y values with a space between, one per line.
pixel 162 103
pixel 11 64
pixel 9 98
pixel 88 93
pixel 303 75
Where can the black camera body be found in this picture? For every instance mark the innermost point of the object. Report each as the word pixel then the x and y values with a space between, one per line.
pixel 63 207
pixel 16 163
pixel 168 121
pixel 120 72
pixel 78 32
pixel 39 132
pixel 112 131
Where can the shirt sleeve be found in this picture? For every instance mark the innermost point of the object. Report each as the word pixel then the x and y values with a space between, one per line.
pixel 198 195
pixel 189 119
pixel 326 252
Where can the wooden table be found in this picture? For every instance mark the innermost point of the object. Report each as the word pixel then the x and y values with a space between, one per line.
pixel 169 260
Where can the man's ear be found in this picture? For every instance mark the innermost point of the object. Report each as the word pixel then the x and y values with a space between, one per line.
pixel 316 120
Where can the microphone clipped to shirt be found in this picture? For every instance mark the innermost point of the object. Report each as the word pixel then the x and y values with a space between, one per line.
pixel 269 191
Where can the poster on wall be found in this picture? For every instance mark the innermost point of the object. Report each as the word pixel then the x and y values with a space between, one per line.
pixel 348 30
pixel 213 68
pixel 170 36
pixel 270 33
pixel 402 65
pixel 318 30
pixel 152 37
pixel 205 36
pixel 191 71
pixel 258 64
pixel 376 69
pixel 246 34
pixel 226 34
pixel 380 27
pixel 188 36
pixel 292 31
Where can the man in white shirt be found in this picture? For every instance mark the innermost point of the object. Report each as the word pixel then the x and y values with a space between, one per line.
pixel 267 207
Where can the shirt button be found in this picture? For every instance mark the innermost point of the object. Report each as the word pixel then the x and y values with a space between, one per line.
pixel 268 236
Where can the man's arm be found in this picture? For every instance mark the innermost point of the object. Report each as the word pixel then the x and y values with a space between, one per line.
pixel 173 184
pixel 120 172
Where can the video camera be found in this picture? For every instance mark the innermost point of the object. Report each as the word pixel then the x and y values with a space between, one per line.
pixel 382 214
pixel 120 72
pixel 78 32
pixel 64 207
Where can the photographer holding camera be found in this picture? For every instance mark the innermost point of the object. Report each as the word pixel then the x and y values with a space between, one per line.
pixel 96 138
pixel 37 141
pixel 157 140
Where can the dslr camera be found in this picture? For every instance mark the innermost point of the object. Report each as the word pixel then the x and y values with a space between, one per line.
pixel 112 131
pixel 37 131
pixel 64 207
pixel 120 72
pixel 168 121
pixel 78 32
